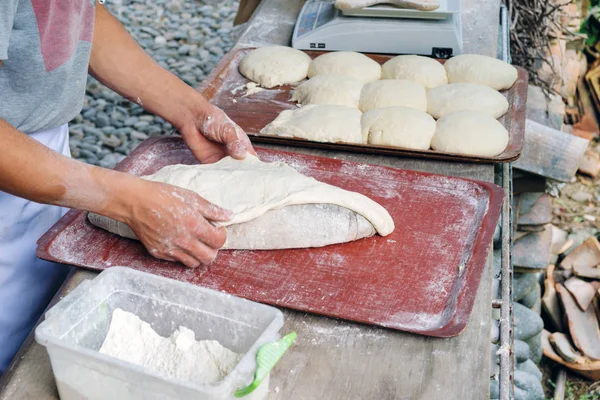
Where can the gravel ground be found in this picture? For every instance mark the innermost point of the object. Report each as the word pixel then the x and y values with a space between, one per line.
pixel 186 37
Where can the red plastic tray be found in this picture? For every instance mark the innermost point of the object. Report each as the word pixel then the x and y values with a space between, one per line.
pixel 422 278
pixel 224 87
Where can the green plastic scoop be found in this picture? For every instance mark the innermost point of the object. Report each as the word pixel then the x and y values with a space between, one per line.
pixel 266 358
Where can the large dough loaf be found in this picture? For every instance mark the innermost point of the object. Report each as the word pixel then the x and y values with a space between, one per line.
pixel 274 205
pixel 290 227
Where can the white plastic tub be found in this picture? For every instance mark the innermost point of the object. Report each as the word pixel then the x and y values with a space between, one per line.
pixel 75 328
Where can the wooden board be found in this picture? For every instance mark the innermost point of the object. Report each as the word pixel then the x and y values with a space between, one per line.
pixel 224 87
pixel 330 360
pixel 550 153
pixel 422 278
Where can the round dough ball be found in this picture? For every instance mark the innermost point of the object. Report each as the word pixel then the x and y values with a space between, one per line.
pixel 272 66
pixel 393 92
pixel 454 97
pixel 484 70
pixel 319 123
pixel 349 63
pixel 424 70
pixel 398 127
pixel 471 133
pixel 329 89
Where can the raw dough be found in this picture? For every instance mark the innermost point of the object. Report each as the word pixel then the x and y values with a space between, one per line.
pixel 306 225
pixel 425 5
pixel 329 89
pixel 453 97
pixel 393 92
pixel 179 356
pixel 424 70
pixel 399 127
pixel 263 195
pixel 271 66
pixel 471 133
pixel 348 63
pixel 476 68
pixel 318 122
pixel 252 88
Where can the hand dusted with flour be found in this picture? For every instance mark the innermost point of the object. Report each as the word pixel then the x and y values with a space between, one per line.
pixel 175 224
pixel 211 135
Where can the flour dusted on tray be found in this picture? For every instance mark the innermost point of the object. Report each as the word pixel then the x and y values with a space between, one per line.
pixel 179 356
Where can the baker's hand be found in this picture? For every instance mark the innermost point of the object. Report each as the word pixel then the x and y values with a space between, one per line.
pixel 173 224
pixel 212 136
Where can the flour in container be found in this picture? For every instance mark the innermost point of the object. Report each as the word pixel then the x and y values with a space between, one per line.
pixel 179 356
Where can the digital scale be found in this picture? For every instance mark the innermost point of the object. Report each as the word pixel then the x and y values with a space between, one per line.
pixel 380 29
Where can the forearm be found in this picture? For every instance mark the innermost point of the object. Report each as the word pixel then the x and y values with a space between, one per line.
pixel 121 64
pixel 33 171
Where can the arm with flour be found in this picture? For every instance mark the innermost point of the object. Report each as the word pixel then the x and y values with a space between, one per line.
pixel 170 221
pixel 121 64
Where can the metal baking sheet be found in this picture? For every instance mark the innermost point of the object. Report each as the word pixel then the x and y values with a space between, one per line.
pixel 421 278
pixel 225 88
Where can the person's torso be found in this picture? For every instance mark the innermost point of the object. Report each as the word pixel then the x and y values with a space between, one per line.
pixel 43 79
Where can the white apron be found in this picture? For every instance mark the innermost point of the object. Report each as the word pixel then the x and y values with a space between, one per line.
pixel 27 284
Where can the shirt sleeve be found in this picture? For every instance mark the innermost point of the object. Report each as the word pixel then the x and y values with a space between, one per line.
pixel 8 9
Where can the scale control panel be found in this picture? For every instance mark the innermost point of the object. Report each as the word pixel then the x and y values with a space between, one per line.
pixel 321 26
pixel 314 15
